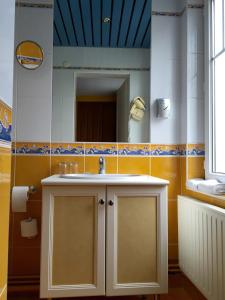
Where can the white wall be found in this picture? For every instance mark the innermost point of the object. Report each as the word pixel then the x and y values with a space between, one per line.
pixel 122 107
pixel 168 5
pixel 195 76
pixel 139 131
pixel 33 88
pixel 63 106
pixel 101 58
pixel 7 17
pixel 177 72
pixel 192 104
pixel 166 71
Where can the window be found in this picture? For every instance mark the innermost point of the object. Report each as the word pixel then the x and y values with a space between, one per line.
pixel 215 145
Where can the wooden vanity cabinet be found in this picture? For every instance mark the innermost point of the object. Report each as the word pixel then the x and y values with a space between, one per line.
pixel 104 240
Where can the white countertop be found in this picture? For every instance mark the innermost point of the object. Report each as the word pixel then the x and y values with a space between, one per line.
pixel 126 180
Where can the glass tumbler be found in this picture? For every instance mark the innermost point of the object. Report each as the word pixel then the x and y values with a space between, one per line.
pixel 63 168
pixel 73 167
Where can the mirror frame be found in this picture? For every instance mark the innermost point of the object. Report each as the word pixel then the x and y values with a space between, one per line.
pixel 40 48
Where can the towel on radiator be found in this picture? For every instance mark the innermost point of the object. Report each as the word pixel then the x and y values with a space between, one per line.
pixel 211 186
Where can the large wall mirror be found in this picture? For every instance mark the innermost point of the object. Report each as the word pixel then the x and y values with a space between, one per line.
pixel 101 63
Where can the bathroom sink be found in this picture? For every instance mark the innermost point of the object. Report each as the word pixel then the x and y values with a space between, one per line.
pixel 97 176
pixel 95 179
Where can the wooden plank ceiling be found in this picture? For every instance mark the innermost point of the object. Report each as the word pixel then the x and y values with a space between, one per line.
pixel 80 23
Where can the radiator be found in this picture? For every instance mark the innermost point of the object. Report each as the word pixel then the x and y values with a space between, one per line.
pixel 201 230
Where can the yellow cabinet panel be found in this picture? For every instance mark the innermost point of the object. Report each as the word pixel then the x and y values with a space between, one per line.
pixel 73 240
pixel 137 239
pixel 137 258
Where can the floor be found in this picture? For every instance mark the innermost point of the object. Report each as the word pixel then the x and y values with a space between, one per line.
pixel 180 288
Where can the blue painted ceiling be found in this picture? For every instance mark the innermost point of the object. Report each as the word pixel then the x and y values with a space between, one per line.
pixel 79 23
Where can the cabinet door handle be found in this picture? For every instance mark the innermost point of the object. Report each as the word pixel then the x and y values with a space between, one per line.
pixel 111 202
pixel 101 201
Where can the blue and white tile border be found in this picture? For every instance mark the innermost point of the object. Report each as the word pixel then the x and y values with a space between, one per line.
pixel 5 123
pixel 97 149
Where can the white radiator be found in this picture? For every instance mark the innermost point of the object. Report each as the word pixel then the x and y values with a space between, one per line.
pixel 202 246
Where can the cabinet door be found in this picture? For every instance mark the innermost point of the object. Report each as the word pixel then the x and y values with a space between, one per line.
pixel 73 243
pixel 137 259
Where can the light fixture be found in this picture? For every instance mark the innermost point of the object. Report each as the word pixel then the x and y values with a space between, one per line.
pixel 106 20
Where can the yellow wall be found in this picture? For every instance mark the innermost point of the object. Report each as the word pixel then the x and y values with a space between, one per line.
pixel 30 169
pixel 5 170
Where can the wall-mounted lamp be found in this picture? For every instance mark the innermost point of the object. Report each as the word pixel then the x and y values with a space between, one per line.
pixel 163 107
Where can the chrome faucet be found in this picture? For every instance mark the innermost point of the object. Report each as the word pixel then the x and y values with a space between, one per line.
pixel 101 165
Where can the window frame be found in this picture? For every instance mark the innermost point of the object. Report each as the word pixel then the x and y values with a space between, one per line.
pixel 209 94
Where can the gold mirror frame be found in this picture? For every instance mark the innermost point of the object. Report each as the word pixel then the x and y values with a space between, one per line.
pixel 29 55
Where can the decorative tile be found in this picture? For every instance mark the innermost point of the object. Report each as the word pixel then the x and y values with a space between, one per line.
pixel 5 122
pixel 134 149
pixel 31 148
pixel 100 149
pixel 113 149
pixel 67 149
pixel 183 149
pixel 195 149
pixel 165 150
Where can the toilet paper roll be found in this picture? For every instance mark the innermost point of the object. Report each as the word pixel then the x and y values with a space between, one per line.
pixel 29 228
pixel 19 198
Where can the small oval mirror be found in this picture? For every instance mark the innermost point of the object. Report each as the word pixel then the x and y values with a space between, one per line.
pixel 29 55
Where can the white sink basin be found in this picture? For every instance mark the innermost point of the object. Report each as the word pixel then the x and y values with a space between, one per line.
pixel 98 176
pixel 101 179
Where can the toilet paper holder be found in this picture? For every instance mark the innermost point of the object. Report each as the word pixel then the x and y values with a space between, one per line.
pixel 32 190
pixel 20 197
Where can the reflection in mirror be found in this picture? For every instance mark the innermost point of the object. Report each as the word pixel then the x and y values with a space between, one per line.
pixel 100 108
pixel 101 63
pixel 29 55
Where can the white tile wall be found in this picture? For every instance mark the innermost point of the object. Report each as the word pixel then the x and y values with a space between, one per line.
pixel 168 5
pixel 195 2
pixel 195 76
pixel 177 72
pixel 195 121
pixel 166 77
pixel 33 88
pixel 184 66
pixel 103 57
pixel 63 106
pixel 7 17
